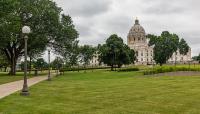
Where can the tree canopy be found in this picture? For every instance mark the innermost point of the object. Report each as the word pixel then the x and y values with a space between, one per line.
pixel 40 64
pixel 115 52
pixel 57 63
pixel 48 28
pixel 165 45
pixel 86 54
pixel 196 58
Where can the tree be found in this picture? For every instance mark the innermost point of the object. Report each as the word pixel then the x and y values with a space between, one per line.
pixel 183 47
pixel 196 58
pixel 86 53
pixel 3 61
pixel 165 45
pixel 47 28
pixel 22 65
pixel 74 54
pixel 35 53
pixel 115 52
pixel 67 37
pixel 57 63
pixel 40 64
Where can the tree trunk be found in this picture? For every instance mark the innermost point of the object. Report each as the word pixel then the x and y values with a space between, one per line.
pixel 111 67
pixel 5 69
pixel 13 66
pixel 85 68
pixel 12 55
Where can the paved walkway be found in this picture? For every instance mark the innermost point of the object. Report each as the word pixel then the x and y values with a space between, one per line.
pixel 12 87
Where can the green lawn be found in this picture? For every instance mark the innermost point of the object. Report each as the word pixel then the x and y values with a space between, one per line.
pixel 104 92
pixel 5 78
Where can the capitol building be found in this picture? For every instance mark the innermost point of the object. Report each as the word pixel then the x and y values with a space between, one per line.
pixel 144 53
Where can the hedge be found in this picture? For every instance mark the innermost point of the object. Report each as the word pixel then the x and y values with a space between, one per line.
pixel 128 69
pixel 169 69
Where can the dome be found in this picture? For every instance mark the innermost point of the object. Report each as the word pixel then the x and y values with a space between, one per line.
pixel 136 34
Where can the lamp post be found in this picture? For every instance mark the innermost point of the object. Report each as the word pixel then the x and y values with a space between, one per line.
pixel 49 74
pixel 25 30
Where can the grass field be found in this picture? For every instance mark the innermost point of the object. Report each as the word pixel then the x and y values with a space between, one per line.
pixel 5 78
pixel 104 92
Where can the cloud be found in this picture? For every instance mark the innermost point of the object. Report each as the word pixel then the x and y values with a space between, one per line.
pixel 163 7
pixel 96 20
pixel 85 8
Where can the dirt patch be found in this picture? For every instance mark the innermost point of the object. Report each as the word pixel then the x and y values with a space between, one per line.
pixel 179 73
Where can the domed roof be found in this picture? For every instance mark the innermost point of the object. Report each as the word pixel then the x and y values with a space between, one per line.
pixel 137 33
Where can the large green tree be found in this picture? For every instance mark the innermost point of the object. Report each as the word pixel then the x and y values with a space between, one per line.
pixel 165 45
pixel 48 27
pixel 115 52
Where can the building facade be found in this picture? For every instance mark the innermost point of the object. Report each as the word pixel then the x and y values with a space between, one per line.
pixel 137 41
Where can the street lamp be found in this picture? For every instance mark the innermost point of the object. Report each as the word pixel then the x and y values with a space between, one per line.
pixel 25 30
pixel 49 74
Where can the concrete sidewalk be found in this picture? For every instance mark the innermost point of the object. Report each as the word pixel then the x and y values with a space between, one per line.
pixel 12 87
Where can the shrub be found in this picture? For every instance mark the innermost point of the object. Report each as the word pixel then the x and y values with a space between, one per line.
pixel 168 69
pixel 128 69
pixel 82 68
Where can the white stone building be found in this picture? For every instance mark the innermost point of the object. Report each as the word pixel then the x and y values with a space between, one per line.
pixel 94 61
pixel 138 42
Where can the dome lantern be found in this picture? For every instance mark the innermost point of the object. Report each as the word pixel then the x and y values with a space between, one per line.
pixel 137 21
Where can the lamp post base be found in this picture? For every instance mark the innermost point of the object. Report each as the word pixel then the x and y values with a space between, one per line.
pixel 24 93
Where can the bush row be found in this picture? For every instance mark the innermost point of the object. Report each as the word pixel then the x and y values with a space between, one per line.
pixel 82 68
pixel 128 69
pixel 169 69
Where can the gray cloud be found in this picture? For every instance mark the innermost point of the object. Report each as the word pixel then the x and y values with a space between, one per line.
pixel 97 19
pixel 163 7
pixel 86 8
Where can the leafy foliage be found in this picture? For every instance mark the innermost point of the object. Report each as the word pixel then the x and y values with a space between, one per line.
pixel 165 69
pixel 40 64
pixel 165 45
pixel 3 61
pixel 48 28
pixel 115 52
pixel 196 58
pixel 57 63
pixel 86 53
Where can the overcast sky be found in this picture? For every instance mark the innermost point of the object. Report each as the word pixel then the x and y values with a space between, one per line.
pixel 96 20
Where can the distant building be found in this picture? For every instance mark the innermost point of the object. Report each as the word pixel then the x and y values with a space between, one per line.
pixel 138 42
pixel 95 60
